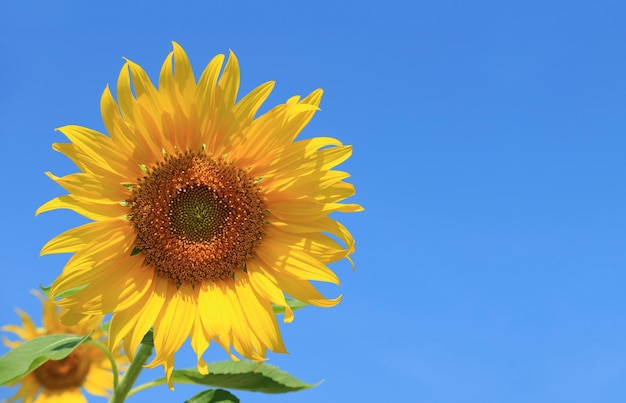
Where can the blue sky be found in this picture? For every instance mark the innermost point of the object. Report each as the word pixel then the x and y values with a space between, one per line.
pixel 489 144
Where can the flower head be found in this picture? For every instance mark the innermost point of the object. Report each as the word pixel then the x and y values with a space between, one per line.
pixel 60 381
pixel 203 214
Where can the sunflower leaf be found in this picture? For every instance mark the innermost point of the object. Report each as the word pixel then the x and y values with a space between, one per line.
pixel 33 353
pixel 214 396
pixel 293 303
pixel 240 375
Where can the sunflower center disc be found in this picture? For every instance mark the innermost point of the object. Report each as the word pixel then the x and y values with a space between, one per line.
pixel 197 214
pixel 196 218
pixel 69 372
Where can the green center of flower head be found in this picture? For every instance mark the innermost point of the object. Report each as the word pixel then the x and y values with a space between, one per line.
pixel 196 218
pixel 197 214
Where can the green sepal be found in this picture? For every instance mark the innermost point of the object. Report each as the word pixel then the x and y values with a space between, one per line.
pixel 33 353
pixel 135 251
pixel 148 338
pixel 67 293
pixel 214 396
pixel 241 375
pixel 293 303
pixel 45 290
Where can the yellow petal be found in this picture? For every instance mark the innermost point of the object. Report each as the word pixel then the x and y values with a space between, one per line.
pixel 68 395
pixel 300 289
pixel 304 209
pixel 146 318
pixel 100 256
pixel 98 148
pixel 92 210
pixel 318 245
pixel 284 166
pixel 112 290
pixel 99 381
pixel 50 315
pixel 280 258
pixel 92 187
pixel 174 323
pixel 176 101
pixel 147 147
pixel 294 187
pixel 168 367
pixel 268 289
pixel 28 329
pixel 324 224
pixel 216 320
pixel 206 101
pixel 271 163
pixel 119 131
pixel 27 324
pixel 229 83
pixel 125 96
pixel 260 315
pixel 86 163
pixel 244 340
pixel 183 73
pixel 79 237
pixel 200 341
pixel 247 107
pixel 145 90
pixel 267 134
pixel 123 322
pixel 147 134
pixel 298 120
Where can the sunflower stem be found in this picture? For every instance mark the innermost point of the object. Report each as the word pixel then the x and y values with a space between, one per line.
pixel 109 355
pixel 121 391
pixel 144 386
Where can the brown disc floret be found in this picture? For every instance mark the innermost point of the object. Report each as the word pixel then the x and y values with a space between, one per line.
pixel 196 217
pixel 69 372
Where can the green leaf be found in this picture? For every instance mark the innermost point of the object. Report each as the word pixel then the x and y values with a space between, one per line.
pixel 294 304
pixel 214 396
pixel 241 375
pixel 31 354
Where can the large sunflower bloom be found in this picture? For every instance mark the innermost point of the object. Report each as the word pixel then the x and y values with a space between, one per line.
pixel 203 214
pixel 61 381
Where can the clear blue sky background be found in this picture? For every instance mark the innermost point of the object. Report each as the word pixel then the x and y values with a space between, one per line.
pixel 489 152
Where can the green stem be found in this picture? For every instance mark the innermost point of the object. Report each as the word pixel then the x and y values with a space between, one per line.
pixel 144 386
pixel 142 355
pixel 111 359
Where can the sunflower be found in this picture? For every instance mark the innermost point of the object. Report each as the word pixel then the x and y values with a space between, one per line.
pixel 203 214
pixel 61 381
